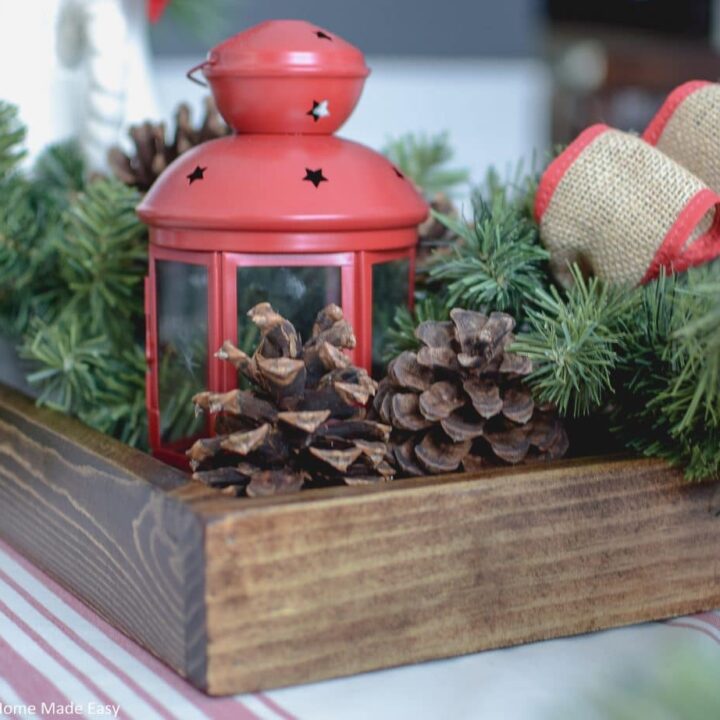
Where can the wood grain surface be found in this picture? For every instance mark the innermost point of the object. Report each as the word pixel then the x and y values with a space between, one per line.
pixel 240 595
pixel 321 587
pixel 99 518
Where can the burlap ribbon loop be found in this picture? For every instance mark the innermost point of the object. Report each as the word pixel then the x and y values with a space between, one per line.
pixel 687 129
pixel 623 210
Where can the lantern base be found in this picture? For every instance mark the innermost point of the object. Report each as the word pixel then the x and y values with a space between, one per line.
pixel 174 456
pixel 242 595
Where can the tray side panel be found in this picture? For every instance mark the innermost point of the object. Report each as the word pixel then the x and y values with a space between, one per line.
pixel 321 588
pixel 102 520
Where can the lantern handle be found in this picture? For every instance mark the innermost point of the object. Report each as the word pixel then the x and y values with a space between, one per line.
pixel 190 74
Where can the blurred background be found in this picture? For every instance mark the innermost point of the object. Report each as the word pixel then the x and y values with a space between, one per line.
pixel 506 80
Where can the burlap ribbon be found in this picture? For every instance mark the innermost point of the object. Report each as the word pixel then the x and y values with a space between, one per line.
pixel 687 129
pixel 623 209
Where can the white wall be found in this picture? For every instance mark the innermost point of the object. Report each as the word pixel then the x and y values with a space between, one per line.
pixel 497 111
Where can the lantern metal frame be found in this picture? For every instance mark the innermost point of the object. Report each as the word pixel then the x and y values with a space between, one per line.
pixel 243 202
pixel 356 297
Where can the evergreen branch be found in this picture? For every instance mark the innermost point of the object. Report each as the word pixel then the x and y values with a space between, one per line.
pixel 497 262
pixel 575 343
pixel 12 137
pixel 519 186
pixel 698 341
pixel 69 361
pixel 60 171
pixel 204 20
pixel 31 231
pixel 424 160
pixel 30 223
pixel 518 190
pixel 20 229
pixel 81 373
pixel 401 335
pixel 669 379
pixel 105 255
pixel 119 407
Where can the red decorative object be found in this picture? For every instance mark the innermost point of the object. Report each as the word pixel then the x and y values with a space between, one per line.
pixel 284 212
pixel 155 9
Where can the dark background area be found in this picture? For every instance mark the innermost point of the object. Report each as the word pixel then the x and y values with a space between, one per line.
pixel 681 18
pixel 453 28
pixel 472 28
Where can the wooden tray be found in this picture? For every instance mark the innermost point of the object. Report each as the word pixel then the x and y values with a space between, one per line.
pixel 240 595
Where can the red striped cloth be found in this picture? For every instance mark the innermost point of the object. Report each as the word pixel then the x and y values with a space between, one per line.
pixel 55 652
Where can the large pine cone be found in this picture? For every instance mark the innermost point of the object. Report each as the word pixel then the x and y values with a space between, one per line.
pixel 153 153
pixel 305 421
pixel 460 400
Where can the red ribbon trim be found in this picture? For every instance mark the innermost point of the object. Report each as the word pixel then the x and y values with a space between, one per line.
pixel 560 165
pixel 674 100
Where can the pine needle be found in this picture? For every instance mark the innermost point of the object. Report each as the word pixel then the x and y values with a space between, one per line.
pixel 12 137
pixel 497 263
pixel 401 335
pixel 669 379
pixel 104 254
pixel 424 160
pixel 575 342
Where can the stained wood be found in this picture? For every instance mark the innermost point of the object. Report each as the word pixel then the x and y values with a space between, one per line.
pixel 101 519
pixel 241 595
pixel 339 585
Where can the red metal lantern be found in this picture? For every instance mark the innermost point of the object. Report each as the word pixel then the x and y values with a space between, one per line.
pixel 281 211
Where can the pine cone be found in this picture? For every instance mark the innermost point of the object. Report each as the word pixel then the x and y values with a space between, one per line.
pixel 460 400
pixel 152 151
pixel 304 423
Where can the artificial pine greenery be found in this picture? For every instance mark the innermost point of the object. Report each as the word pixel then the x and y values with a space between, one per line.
pixel 518 190
pixel 72 258
pixel 12 135
pixel 104 252
pixel 497 262
pixel 60 172
pixel 575 342
pixel 424 160
pixel 68 361
pixel 85 345
pixel 30 224
pixel 651 355
pixel 668 381
pixel 401 335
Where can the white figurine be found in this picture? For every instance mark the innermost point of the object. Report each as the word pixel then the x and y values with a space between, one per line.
pixel 107 40
pixel 77 68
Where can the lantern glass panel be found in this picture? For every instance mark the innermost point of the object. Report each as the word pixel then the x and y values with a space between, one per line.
pixel 182 321
pixel 297 293
pixel 391 289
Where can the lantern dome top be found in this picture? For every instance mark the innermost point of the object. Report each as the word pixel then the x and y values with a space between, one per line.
pixel 283 183
pixel 282 47
pixel 285 76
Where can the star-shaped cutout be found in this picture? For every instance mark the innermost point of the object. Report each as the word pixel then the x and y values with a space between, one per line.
pixel 315 176
pixel 322 35
pixel 197 174
pixel 319 110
